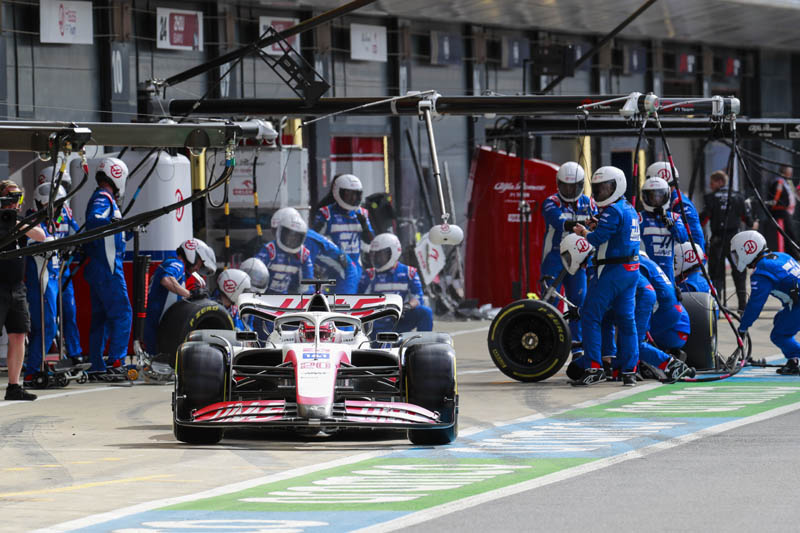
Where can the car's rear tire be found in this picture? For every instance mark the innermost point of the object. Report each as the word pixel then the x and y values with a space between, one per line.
pixel 200 379
pixel 701 346
pixel 529 340
pixel 430 379
pixel 186 316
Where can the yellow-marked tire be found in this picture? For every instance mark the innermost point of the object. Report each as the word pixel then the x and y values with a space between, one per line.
pixel 184 317
pixel 529 340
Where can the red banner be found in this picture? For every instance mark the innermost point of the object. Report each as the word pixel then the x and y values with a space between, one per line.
pixel 492 261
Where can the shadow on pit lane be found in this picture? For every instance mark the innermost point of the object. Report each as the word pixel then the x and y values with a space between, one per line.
pixel 272 440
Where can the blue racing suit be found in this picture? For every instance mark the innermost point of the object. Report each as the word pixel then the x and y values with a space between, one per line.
pixel 111 309
pixel 34 286
pixel 286 270
pixel 612 285
pixel 403 280
pixel 65 226
pixel 344 229
pixel 159 299
pixel 669 326
pixel 692 217
pixel 556 212
pixel 645 301
pixel 332 262
pixel 693 281
pixel 659 240
pixel 777 274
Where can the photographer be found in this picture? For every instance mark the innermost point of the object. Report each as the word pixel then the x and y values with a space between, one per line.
pixel 13 302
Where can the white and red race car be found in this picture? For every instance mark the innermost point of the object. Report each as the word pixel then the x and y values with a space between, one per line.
pixel 317 370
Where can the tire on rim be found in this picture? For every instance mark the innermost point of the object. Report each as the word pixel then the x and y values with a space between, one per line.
pixel 430 379
pixel 199 381
pixel 701 346
pixel 529 340
pixel 185 316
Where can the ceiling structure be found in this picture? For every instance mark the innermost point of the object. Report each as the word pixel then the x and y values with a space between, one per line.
pixel 733 23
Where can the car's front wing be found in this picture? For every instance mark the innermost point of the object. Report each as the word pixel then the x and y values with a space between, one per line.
pixel 350 413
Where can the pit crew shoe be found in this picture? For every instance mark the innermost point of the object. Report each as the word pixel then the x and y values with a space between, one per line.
pixel 15 393
pixel 791 368
pixel 629 379
pixel 677 369
pixel 584 377
pixel 648 371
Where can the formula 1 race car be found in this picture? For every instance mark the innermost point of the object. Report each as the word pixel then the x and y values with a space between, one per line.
pixel 316 371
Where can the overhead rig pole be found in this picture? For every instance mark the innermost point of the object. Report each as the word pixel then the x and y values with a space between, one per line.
pixel 445 105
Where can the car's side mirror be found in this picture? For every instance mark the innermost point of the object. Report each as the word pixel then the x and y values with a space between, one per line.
pixel 246 336
pixel 390 337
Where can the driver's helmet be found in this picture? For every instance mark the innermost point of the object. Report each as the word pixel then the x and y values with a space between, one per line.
pixel 306 332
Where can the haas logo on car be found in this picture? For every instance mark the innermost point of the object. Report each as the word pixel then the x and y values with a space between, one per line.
pixel 229 286
pixel 750 247
pixel 689 256
pixel 582 245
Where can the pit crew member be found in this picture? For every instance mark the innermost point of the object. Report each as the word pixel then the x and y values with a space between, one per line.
pixel 345 222
pixel 612 284
pixel 167 285
pixel 232 283
pixel 561 212
pixel 776 274
pixel 286 258
pixel 111 309
pixel 688 274
pixel 663 170
pixel 389 276
pixel 660 227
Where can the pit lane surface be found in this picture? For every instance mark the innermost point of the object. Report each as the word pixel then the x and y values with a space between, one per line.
pixel 92 449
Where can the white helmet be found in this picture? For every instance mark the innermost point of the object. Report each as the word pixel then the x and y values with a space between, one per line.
pixel 46 175
pixel 570 179
pixel 655 194
pixel 116 171
pixel 686 257
pixel 384 251
pixel 42 193
pixel 608 185
pixel 194 249
pixel 291 233
pixel 746 247
pixel 279 214
pixel 574 251
pixel 258 272
pixel 663 170
pixel 347 191
pixel 233 282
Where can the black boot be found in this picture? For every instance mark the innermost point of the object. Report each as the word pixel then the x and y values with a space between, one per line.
pixel 791 368
pixel 15 392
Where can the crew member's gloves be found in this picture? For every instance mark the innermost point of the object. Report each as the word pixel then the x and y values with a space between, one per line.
pixel 573 313
pixel 678 294
pixel 198 293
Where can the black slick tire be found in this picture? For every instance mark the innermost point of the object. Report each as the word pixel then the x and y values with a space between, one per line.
pixel 529 340
pixel 200 379
pixel 185 316
pixel 430 379
pixel 701 346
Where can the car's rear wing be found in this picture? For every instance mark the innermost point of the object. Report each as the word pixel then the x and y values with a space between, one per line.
pixel 366 307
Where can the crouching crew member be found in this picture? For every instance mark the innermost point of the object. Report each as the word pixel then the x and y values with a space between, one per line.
pixel 612 281
pixel 111 309
pixel 286 258
pixel 167 285
pixel 688 271
pixel 389 276
pixel 561 212
pixel 661 228
pixel 776 274
pixel 232 283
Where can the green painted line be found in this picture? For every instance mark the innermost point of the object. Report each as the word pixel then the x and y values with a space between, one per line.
pixel 525 470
